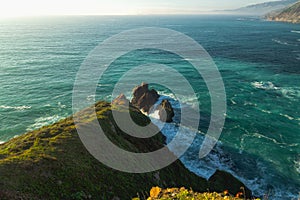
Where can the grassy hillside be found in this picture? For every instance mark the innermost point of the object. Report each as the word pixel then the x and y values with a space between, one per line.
pixel 52 163
pixel 290 14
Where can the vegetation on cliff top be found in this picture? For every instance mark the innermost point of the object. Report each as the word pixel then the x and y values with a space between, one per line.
pixel 52 163
pixel 290 14
pixel 157 193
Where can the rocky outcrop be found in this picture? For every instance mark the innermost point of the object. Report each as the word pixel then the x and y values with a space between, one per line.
pixel 165 111
pixel 221 181
pixel 143 98
pixel 121 100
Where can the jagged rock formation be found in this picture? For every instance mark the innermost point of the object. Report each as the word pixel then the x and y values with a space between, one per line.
pixel 290 14
pixel 165 111
pixel 121 100
pixel 143 98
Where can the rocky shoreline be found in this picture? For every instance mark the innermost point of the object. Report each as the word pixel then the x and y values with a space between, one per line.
pixel 289 15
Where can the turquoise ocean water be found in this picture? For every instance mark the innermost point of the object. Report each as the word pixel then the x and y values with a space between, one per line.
pixel 258 60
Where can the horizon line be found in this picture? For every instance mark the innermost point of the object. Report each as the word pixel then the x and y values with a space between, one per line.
pixel 130 14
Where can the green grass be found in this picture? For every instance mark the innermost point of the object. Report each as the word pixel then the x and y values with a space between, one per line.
pixel 52 163
pixel 289 14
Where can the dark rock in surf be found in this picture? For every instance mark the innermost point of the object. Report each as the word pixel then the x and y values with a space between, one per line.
pixel 165 111
pixel 143 98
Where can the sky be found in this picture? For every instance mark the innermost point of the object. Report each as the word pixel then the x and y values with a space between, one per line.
pixel 15 8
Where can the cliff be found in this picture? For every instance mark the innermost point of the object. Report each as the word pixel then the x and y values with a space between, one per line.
pixel 52 163
pixel 262 9
pixel 290 14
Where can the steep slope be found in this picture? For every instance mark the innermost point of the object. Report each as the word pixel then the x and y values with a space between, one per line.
pixel 263 8
pixel 52 163
pixel 290 14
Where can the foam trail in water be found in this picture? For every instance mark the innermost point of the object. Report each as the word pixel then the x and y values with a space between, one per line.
pixel 288 92
pixel 297 164
pixel 291 92
pixel 283 42
pixel 15 107
pixel 295 31
pixel 43 121
pixel 264 85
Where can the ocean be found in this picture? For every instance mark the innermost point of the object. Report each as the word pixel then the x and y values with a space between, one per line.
pixel 259 62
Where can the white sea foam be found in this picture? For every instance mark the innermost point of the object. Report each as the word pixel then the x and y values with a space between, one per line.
pixel 293 31
pixel 60 105
pixel 43 121
pixel 218 158
pixel 204 167
pixel 297 164
pixel 280 42
pixel 59 96
pixel 15 107
pixel 247 103
pixel 188 59
pixel 290 92
pixel 232 101
pixel 287 116
pixel 266 111
pixel 282 144
pixel 1 142
pixel 264 85
pixel 91 98
pixel 154 114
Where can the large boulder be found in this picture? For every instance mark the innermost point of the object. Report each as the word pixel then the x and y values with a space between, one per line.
pixel 165 111
pixel 143 98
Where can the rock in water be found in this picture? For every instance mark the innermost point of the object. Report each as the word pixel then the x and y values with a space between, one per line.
pixel 143 98
pixel 165 111
pixel 121 100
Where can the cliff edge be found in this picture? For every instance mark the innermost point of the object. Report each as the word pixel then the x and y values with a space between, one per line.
pixel 52 163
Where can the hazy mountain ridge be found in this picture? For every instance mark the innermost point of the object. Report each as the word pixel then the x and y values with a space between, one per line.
pixel 290 14
pixel 262 8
